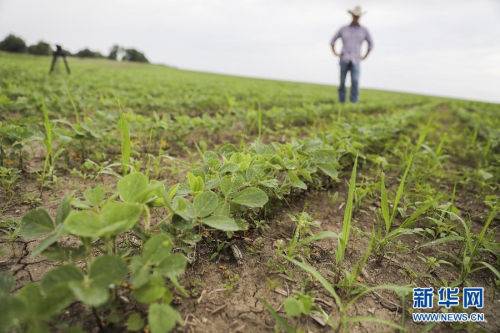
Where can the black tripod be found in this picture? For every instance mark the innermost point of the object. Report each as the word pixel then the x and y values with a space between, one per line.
pixel 59 52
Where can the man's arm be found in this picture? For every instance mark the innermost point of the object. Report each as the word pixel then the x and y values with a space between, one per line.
pixel 369 40
pixel 332 43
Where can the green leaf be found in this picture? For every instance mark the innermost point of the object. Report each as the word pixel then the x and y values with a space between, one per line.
pixel 48 241
pixel 95 195
pixel 157 248
pixel 491 268
pixel 317 275
pixel 347 220
pixel 162 318
pixel 173 265
pixel 384 204
pixel 293 307
pixel 107 269
pixel 7 282
pixel 183 208
pixel 224 223
pixel 205 203
pixel 319 236
pixel 135 322
pixel 150 292
pixel 119 217
pixel 195 183
pixel 251 197
pixel 330 170
pixel 61 275
pixel 126 146
pixel 296 181
pixel 130 186
pixel 36 223
pixel 89 293
pixel 12 310
pixel 281 322
pixel 83 224
pixel 63 210
pixel 42 305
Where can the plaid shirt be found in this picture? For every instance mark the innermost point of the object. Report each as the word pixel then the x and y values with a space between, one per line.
pixel 352 37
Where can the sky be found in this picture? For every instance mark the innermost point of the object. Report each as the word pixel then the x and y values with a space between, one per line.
pixel 445 47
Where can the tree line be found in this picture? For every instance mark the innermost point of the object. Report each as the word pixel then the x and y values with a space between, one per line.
pixel 16 44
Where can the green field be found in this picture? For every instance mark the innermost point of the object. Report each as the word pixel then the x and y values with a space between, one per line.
pixel 147 198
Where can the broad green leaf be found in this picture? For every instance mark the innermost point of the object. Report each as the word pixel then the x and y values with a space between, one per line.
pixel 83 224
pixel 157 248
pixel 224 223
pixel 223 209
pixel 42 305
pixel 173 265
pixel 131 185
pixel 196 183
pixel 330 170
pixel 61 275
pixel 135 322
pixel 226 185
pixel 36 223
pixel 7 282
pixel 324 156
pixel 183 208
pixel 106 270
pixel 63 210
pixel 162 318
pixel 95 195
pixel 12 309
pixel 251 197
pixel 296 181
pixel 48 241
pixel 141 271
pixel 118 217
pixel 150 292
pixel 293 307
pixel 205 203
pixel 89 293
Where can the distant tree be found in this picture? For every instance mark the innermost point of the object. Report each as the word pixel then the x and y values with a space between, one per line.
pixel 116 53
pixel 12 43
pixel 87 53
pixel 40 48
pixel 134 55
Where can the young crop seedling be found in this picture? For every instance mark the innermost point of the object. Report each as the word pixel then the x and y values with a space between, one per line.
pixel 345 319
pixel 303 235
pixel 347 221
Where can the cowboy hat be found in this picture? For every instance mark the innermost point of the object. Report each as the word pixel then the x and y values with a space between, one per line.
pixel 356 11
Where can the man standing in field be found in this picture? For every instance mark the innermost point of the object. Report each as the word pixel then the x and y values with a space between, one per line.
pixel 352 36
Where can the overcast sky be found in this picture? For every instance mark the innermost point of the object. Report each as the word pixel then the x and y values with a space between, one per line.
pixel 445 47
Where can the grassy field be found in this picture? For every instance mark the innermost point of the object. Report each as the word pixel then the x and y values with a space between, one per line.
pixel 147 198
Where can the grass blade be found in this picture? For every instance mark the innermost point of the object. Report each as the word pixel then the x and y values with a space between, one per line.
pixel 317 275
pixel 346 223
pixel 384 204
pixel 401 188
pixel 126 149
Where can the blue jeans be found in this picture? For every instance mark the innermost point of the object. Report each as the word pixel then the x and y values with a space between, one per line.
pixel 349 66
